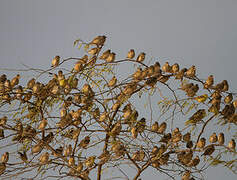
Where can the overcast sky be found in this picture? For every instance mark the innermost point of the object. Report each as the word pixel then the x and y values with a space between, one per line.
pixel 200 32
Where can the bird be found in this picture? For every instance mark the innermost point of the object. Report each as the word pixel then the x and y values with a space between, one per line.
pixel 79 167
pixel 110 58
pixel 23 156
pixel 187 137
pixel 162 128
pixel 189 144
pixel 175 68
pixel 226 86
pixel 180 74
pixel 48 139
pixel 191 72
pixel 116 129
pixel 201 143
pixel 105 54
pixel 213 138
pixel 3 120
pixel 5 157
pixel 58 151
pixel 98 41
pixel 55 61
pixel 228 98
pixel 186 175
pixel 194 162
pixel 103 117
pixel 155 127
pixel 15 80
pixel 84 143
pixel 31 83
pixel 3 78
pixel 78 66
pixel 134 132
pixel 94 51
pixel 86 89
pixel 209 82
pixel 166 138
pixel 71 161
pixel 90 161
pixel 221 138
pixel 112 82
pixel 208 150
pixel 166 68
pixel 43 124
pixel 137 74
pixel 37 148
pixel 196 117
pixel 44 158
pixel 141 57
pixel 235 103
pixel 131 54
pixel 232 144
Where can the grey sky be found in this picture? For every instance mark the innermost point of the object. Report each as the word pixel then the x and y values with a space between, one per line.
pixel 200 32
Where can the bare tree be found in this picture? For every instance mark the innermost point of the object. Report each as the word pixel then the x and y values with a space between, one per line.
pixel 86 115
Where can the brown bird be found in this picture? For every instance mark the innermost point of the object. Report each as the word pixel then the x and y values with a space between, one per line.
pixel 226 85
pixel 166 138
pixel 232 144
pixel 3 121
pixel 71 161
pixel 186 175
pixel 55 61
pixel 98 41
pixel 111 57
pixel 116 129
pixel 141 57
pixel 166 67
pixel 228 98
pixel 3 78
pixel 79 167
pixel 58 151
pixel 15 80
pixel 155 127
pixel 191 72
pixel 175 68
pixel 201 143
pixel 209 82
pixel 138 74
pixel 194 162
pixel 187 137
pixel 134 132
pixel 112 82
pixel 5 157
pixel 208 150
pixel 43 124
pixel 78 66
pixel 84 143
pixel 31 83
pixel 141 124
pixel 48 139
pixel 94 51
pixel 105 54
pixel 37 148
pixel 44 158
pixel 131 54
pixel 162 128
pixel 221 138
pixel 90 161
pixel 213 138
pixel 23 156
pixel 189 144
pixel 180 74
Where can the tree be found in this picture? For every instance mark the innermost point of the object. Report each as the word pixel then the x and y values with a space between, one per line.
pixel 80 118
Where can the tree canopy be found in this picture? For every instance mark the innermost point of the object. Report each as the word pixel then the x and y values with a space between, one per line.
pixel 87 116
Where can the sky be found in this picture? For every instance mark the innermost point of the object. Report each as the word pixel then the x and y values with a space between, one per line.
pixel 199 32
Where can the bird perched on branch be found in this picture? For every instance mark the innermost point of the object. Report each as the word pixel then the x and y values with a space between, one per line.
pixel 141 57
pixel 131 54
pixel 55 61
pixel 208 150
